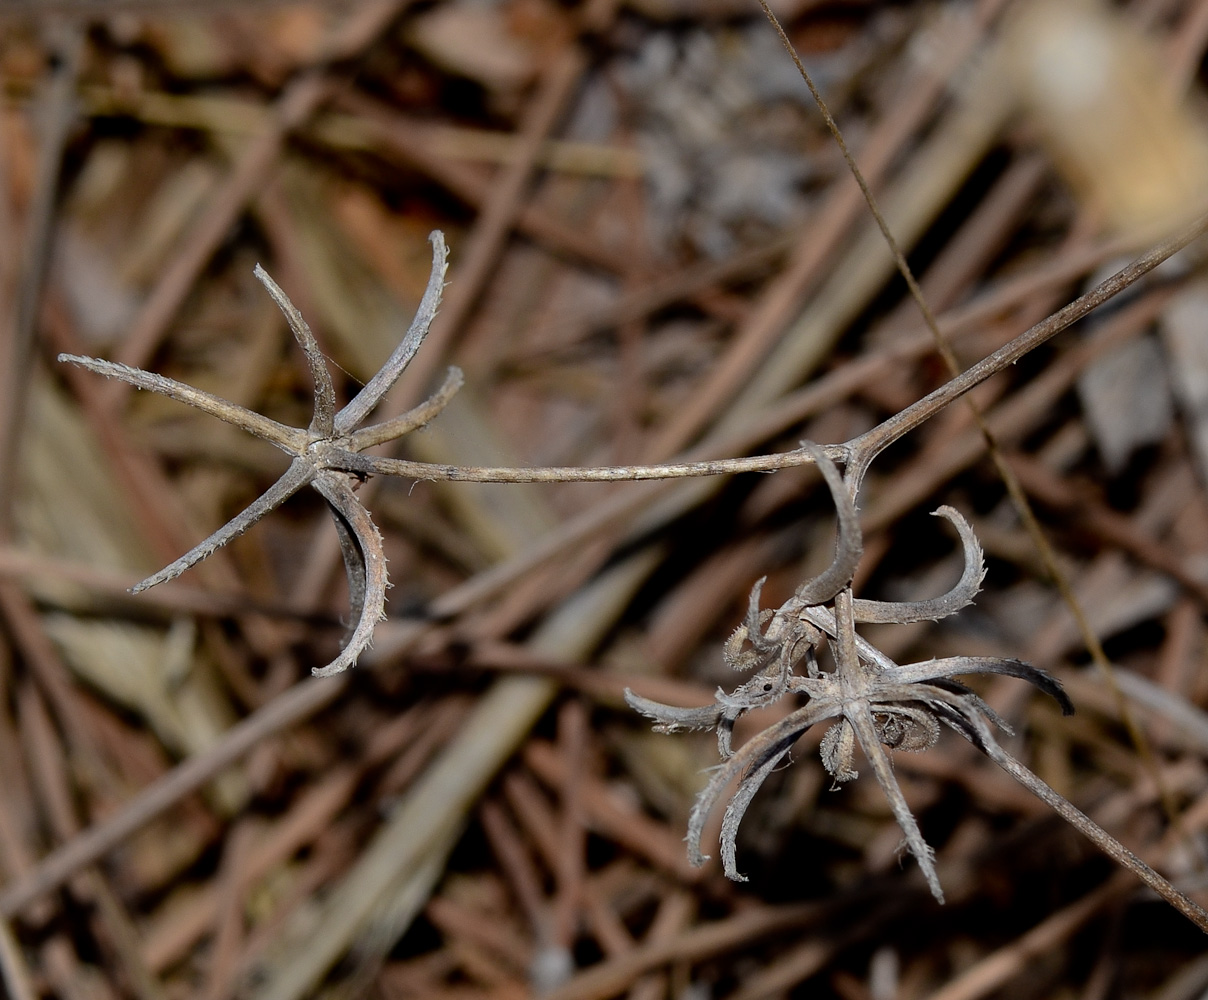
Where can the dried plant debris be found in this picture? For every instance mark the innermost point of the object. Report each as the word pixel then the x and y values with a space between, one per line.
pixel 713 167
pixel 1127 399
pixel 875 701
pixel 323 453
pixel 159 216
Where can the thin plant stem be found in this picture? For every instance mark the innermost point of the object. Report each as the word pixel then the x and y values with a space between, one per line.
pixel 56 868
pixel 1098 836
pixel 871 443
pixel 857 454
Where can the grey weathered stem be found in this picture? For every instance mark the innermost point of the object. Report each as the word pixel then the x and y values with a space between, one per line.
pixel 868 445
pixel 960 596
pixel 322 424
pixel 1097 835
pixel 372 465
pixel 857 454
pixel 849 544
pixel 293 479
pixel 366 566
pixel 413 419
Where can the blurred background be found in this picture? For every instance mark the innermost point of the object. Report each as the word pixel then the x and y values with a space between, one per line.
pixel 656 249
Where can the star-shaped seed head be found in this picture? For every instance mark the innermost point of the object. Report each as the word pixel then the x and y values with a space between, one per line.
pixel 325 455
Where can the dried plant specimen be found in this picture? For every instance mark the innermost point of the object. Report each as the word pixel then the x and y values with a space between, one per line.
pixel 328 454
pixel 323 453
pixel 873 701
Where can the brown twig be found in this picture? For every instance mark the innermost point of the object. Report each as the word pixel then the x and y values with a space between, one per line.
pixel 299 703
pixel 58 109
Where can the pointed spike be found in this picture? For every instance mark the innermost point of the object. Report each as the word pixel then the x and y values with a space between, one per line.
pixel 323 421
pixel 295 477
pixel 862 723
pixel 413 419
pixel 670 718
pixel 960 596
pixel 780 736
pixel 365 400
pixel 288 439
pixel 747 787
pixel 955 666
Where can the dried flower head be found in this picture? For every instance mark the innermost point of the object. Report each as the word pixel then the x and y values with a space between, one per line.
pixel 872 701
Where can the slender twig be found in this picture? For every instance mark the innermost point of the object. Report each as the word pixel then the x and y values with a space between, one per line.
pixel 58 111
pixel 871 443
pixel 1098 836
pixel 859 451
pixel 52 871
